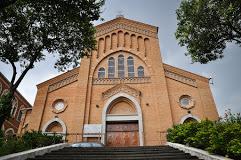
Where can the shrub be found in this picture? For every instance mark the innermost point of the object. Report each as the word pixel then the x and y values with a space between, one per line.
pixel 37 139
pixel 201 135
pixel 222 137
pixel 13 145
pixel 29 140
pixel 180 133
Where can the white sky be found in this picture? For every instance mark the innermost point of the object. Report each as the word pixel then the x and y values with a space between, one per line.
pixel 161 13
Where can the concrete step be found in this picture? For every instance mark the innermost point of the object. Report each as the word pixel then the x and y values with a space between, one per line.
pixel 117 153
pixel 114 152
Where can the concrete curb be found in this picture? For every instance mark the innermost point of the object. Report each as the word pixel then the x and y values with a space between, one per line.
pixel 34 152
pixel 197 152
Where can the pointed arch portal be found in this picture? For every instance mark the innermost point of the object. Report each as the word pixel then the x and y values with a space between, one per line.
pixel 122 121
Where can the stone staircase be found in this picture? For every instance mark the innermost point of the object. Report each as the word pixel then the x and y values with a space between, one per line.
pixel 117 153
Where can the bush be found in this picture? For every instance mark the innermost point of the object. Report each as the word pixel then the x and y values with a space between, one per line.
pixel 37 139
pixel 13 145
pixel 29 140
pixel 222 137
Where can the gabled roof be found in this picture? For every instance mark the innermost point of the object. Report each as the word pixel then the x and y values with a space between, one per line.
pixel 127 24
pixel 125 20
pixel 17 92
pixel 59 77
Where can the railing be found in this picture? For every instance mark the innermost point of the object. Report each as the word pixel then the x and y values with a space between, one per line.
pixel 93 137
pixel 78 137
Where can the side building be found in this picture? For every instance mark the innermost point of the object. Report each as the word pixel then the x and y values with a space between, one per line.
pixel 20 107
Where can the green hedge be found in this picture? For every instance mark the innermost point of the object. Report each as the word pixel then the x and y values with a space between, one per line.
pixel 222 137
pixel 28 141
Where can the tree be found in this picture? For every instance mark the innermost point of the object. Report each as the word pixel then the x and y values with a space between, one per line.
pixel 29 30
pixel 5 3
pixel 206 26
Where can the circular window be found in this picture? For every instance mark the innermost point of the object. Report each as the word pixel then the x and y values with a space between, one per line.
pixel 59 105
pixel 186 102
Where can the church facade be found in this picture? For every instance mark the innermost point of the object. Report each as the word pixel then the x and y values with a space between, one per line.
pixel 122 95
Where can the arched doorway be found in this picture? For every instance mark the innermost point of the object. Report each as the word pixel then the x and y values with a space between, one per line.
pixel 122 121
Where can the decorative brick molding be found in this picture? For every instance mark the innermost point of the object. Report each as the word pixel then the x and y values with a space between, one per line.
pixel 128 27
pixel 126 80
pixel 121 88
pixel 63 82
pixel 181 78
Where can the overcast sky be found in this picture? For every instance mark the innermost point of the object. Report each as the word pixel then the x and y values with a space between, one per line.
pixel 161 13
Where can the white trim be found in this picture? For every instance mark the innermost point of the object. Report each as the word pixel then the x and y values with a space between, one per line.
pixel 121 118
pixel 189 116
pixel 9 129
pixel 34 152
pixel 197 152
pixel 139 117
pixel 55 120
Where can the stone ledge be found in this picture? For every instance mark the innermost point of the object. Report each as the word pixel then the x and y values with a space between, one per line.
pixel 34 152
pixel 197 152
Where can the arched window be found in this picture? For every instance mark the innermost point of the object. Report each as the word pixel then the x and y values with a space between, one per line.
pixel 121 66
pixel 1 88
pixel 14 107
pixel 111 67
pixel 101 73
pixel 130 64
pixel 5 91
pixel 20 114
pixel 140 71
pixel 9 132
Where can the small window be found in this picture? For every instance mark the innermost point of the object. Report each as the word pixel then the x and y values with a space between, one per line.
pixel 20 114
pixel 140 71
pixel 121 66
pixel 130 64
pixel 14 107
pixel 111 67
pixel 1 88
pixel 5 91
pixel 9 132
pixel 101 73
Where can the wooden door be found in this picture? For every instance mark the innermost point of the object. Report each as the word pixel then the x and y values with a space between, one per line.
pixel 122 134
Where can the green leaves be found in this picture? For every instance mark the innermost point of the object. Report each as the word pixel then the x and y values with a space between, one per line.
pixel 29 140
pixel 222 137
pixel 29 30
pixel 206 26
